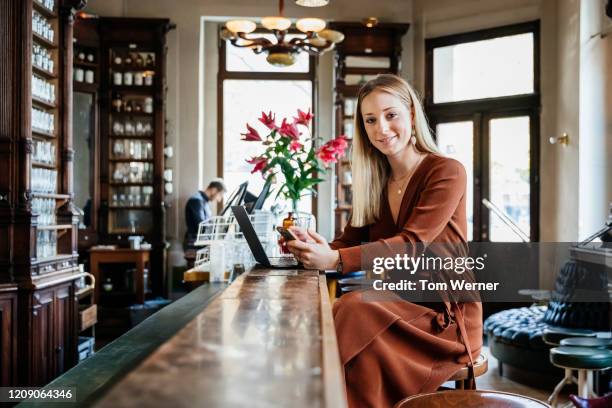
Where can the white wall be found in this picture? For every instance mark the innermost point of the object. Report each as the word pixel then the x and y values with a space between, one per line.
pixel 595 163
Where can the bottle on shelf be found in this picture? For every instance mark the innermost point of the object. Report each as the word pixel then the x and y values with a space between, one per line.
pixel 149 63
pixel 117 103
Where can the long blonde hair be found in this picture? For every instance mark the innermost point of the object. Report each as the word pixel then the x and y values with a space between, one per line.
pixel 370 167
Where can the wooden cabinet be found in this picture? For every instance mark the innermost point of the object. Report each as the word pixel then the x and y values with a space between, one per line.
pixel 364 53
pixel 8 335
pixel 38 219
pixel 133 177
pixel 54 333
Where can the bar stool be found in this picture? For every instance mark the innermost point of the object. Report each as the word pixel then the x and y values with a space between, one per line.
pixel 553 335
pixel 586 361
pixel 602 378
pixel 596 342
pixel 470 398
pixel 481 365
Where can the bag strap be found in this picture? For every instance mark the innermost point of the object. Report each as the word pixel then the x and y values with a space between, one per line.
pixel 464 338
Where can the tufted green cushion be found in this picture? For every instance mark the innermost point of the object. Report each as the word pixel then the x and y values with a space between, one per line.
pixel 587 342
pixel 581 357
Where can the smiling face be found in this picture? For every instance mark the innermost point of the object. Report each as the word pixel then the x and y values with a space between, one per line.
pixel 387 121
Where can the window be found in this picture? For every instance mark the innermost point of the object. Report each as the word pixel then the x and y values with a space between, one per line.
pixel 482 100
pixel 249 85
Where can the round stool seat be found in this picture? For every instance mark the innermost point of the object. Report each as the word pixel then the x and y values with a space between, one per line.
pixel 481 365
pixel 584 358
pixel 554 335
pixel 470 398
pixel 587 342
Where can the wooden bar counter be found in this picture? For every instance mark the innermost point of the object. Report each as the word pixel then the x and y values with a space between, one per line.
pixel 267 340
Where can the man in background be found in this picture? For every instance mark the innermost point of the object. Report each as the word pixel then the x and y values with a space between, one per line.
pixel 197 210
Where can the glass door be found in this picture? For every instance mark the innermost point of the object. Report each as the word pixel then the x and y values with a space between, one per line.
pixel 456 140
pixel 509 171
pixel 497 152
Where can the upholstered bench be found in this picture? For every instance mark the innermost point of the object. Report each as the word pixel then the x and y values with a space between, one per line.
pixel 515 338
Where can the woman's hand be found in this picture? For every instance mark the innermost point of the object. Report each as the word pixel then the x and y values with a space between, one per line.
pixel 312 250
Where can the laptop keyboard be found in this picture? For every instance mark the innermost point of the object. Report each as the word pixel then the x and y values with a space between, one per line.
pixel 283 261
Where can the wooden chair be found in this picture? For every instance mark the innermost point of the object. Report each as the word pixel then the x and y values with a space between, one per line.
pixel 481 365
pixel 470 398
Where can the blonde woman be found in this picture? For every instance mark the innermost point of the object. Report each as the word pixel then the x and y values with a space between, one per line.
pixel 404 194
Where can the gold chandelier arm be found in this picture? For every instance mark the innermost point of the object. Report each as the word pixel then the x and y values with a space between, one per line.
pixel 257 44
pixel 312 48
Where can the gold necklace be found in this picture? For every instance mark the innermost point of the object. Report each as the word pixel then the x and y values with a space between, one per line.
pixel 408 176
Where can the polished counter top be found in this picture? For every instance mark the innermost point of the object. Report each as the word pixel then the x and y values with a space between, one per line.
pixel 267 341
pixel 99 373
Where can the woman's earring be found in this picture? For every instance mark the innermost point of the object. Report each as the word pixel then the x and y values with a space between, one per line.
pixel 413 137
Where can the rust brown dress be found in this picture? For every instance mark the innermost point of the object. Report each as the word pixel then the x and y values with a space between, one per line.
pixel 391 350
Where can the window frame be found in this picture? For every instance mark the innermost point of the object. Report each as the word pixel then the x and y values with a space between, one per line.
pixel 224 74
pixel 481 111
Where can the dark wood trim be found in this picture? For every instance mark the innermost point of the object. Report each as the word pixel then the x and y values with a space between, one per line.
pixel 534 176
pixel 489 105
pixel 479 35
pixel 485 34
pixel 482 111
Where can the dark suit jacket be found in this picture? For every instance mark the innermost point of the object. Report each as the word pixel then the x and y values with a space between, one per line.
pixel 197 210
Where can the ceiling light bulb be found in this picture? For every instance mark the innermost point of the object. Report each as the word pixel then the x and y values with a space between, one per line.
pixel 310 24
pixel 370 22
pixel 332 35
pixel 318 42
pixel 312 3
pixel 241 26
pixel 276 23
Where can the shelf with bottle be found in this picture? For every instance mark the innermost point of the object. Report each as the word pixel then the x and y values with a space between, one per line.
pixel 43 122
pixel 43 91
pixel 45 7
pixel 44 28
pixel 43 153
pixel 54 227
pixel 132 172
pixel 126 150
pixel 43 41
pixel 55 196
pixel 43 61
pixel 44 180
pixel 131 105
pixel 132 126
pixel 129 60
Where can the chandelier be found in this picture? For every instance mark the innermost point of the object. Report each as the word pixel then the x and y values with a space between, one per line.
pixel 282 52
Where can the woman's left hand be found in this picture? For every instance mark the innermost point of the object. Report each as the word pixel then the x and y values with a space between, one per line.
pixel 312 250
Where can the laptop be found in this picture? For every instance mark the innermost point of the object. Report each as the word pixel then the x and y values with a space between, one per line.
pixel 257 249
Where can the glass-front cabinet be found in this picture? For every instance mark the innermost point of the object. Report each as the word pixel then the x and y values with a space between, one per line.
pixel 131 76
pixel 133 175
